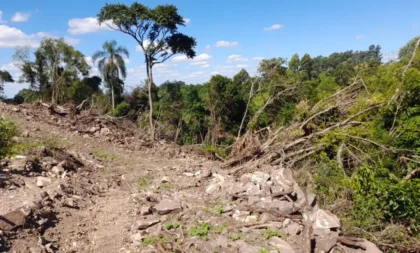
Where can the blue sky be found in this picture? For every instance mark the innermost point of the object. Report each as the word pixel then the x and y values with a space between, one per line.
pixel 231 34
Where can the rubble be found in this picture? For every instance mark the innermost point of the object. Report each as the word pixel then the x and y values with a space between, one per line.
pixel 167 206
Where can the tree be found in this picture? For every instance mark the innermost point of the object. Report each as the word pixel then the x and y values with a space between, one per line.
pixel 5 77
pixel 56 66
pixel 155 31
pixel 112 66
pixel 294 63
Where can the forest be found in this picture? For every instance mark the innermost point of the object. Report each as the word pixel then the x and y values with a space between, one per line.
pixel 348 123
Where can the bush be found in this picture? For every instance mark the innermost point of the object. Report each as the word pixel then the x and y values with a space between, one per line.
pixel 122 109
pixel 7 130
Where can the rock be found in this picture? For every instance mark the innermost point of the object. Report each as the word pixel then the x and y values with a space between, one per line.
pixel 280 244
pixel 13 219
pixel 167 206
pixel 282 206
pixel 57 170
pixel 71 203
pixel 249 249
pixel 322 231
pixel 311 199
pixel 205 174
pixel 287 222
pixel 188 174
pixel 25 134
pixel 43 181
pixel 146 223
pixel 93 129
pixel 325 219
pixel 326 242
pixel 259 177
pixel 165 180
pixel 282 177
pixel 145 210
pixel 370 247
pixel 251 219
pixel 213 188
pixel 105 131
pixel 253 190
pixel 293 229
pixel 240 215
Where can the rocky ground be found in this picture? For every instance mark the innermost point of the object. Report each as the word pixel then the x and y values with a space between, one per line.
pixel 91 184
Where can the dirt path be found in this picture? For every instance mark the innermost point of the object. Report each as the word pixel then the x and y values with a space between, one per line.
pixel 127 200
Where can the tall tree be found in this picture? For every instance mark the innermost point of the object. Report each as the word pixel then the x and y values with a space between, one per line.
pixel 5 77
pixel 112 66
pixel 155 31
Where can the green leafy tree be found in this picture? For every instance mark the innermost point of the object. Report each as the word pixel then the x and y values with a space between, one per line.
pixel 155 31
pixel 112 66
pixel 5 77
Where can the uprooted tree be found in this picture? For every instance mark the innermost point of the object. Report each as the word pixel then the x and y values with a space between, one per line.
pixel 155 31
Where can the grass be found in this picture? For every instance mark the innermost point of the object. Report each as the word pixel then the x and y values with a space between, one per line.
pixel 171 225
pixel 235 236
pixel 52 142
pixel 263 251
pixel 142 183
pixel 153 240
pixel 219 229
pixel 105 156
pixel 268 233
pixel 201 230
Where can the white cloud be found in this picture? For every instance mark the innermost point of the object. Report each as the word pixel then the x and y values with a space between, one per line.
pixel 206 66
pixel 1 18
pixel 85 25
pixel 223 43
pixel 198 58
pixel 187 21
pixel 20 17
pixel 11 37
pixel 390 56
pixel 71 41
pixel 236 58
pixel 359 37
pixel 273 27
pixel 258 58
pixel 241 66
pixel 199 63
pixel 208 47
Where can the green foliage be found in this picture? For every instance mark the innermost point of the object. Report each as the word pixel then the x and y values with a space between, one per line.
pixel 153 240
pixel 201 230
pixel 171 225
pixel 122 109
pixel 7 131
pixel 264 251
pixel 105 156
pixel 142 183
pixel 268 233
pixel 235 236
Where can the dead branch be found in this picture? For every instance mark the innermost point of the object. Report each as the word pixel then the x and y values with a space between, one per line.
pixel 315 115
pixel 350 242
pixel 412 174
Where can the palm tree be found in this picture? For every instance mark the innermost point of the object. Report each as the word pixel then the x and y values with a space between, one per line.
pixel 111 65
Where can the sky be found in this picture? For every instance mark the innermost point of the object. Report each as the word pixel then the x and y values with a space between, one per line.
pixel 231 34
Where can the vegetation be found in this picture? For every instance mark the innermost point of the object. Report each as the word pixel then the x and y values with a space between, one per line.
pixel 201 230
pixel 7 131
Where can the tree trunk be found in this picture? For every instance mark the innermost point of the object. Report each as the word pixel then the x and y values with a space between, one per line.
pixel 150 83
pixel 112 97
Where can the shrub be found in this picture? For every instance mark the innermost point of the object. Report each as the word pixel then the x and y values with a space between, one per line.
pixel 122 109
pixel 7 130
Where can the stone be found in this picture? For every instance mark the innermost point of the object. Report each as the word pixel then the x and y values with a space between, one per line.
pixel 284 207
pixel 282 177
pixel 57 170
pixel 251 219
pixel 325 219
pixel 249 249
pixel 287 222
pixel 311 199
pixel 253 190
pixel 43 181
pixel 280 244
pixel 321 231
pixel 146 223
pixel 25 134
pixel 105 131
pixel 93 129
pixel 240 215
pixel 293 229
pixel 370 247
pixel 205 174
pixel 167 206
pixel 213 188
pixel 259 177
pixel 245 178
pixel 165 180
pixel 326 242
pixel 188 174
pixel 13 219
pixel 145 210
